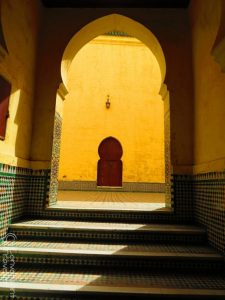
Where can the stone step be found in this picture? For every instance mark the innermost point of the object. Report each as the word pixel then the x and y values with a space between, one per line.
pixel 70 283
pixel 93 231
pixel 133 257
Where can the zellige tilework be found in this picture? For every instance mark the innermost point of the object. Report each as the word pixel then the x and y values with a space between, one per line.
pixel 14 194
pixel 209 206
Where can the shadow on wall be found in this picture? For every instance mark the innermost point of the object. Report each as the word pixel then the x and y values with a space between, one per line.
pixel 14 181
pixel 20 25
pixel 18 35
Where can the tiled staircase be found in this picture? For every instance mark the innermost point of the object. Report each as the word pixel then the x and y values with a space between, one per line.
pixel 64 259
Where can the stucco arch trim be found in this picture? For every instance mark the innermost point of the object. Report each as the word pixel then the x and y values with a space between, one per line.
pixel 106 24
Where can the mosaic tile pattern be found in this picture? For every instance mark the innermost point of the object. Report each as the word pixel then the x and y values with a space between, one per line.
pixel 109 236
pixel 136 263
pixel 127 186
pixel 182 213
pixel 145 247
pixel 55 160
pixel 141 256
pixel 106 225
pixel 117 33
pixel 200 197
pixel 118 262
pixel 182 195
pixel 14 194
pixel 168 173
pixel 39 191
pixel 113 232
pixel 22 191
pixel 209 206
pixel 161 216
pixel 157 279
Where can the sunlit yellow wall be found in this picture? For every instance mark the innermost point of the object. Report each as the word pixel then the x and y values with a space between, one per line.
pixel 125 69
pixel 209 141
pixel 170 27
pixel 20 26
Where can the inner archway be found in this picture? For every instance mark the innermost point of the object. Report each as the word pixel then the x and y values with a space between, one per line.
pixel 112 22
pixel 109 171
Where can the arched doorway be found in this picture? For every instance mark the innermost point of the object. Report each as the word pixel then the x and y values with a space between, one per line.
pixel 109 171
pixel 116 22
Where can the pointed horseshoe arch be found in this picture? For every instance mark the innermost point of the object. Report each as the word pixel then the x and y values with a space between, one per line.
pixel 117 22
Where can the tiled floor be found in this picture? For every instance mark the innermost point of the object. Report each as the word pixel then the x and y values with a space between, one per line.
pixel 106 200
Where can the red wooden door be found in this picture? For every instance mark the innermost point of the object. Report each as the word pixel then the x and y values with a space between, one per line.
pixel 110 166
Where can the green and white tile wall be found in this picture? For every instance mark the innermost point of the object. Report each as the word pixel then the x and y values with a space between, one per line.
pixel 14 194
pixel 203 196
pixel 182 198
pixel 209 205
pixel 22 191
pixel 39 192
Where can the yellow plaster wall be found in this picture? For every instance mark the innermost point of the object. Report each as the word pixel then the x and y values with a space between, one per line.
pixel 20 26
pixel 125 69
pixel 170 27
pixel 209 142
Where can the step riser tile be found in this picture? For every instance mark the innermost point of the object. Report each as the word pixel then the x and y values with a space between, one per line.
pixel 111 236
pixel 39 295
pixel 131 263
pixel 102 216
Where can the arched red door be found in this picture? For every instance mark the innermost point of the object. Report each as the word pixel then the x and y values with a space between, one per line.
pixel 110 166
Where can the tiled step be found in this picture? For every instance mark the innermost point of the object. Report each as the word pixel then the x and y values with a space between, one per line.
pixel 93 231
pixel 160 215
pixel 69 283
pixel 132 257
